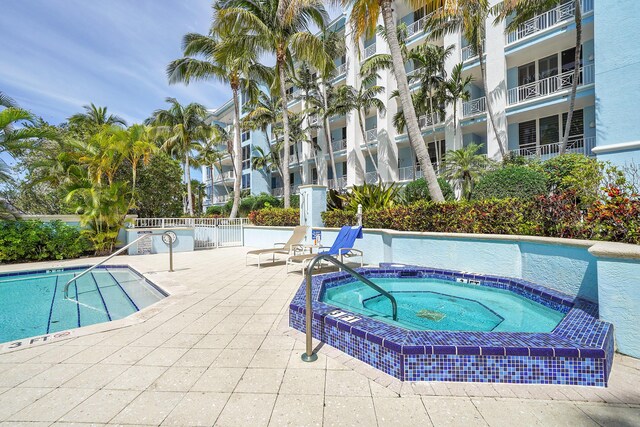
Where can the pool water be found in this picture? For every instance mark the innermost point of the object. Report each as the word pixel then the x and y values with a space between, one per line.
pixel 32 303
pixel 435 304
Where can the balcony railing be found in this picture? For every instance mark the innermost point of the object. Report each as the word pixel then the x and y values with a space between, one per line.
pixel 409 173
pixel 371 178
pixel 341 70
pixel 557 15
pixel 475 106
pixel 224 176
pixel 430 120
pixel 340 183
pixel 469 52
pixel 293 159
pixel 369 51
pixel 371 135
pixel 339 145
pixel 576 146
pixel 550 85
pixel 220 199
pixel 279 191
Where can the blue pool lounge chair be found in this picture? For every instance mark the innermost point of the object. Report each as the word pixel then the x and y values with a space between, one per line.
pixel 342 247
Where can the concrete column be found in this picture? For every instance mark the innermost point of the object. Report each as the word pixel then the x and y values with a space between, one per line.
pixel 496 84
pixel 313 201
pixel 355 157
pixel 453 139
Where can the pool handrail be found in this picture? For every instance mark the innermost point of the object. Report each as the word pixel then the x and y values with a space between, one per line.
pixel 310 356
pixel 118 252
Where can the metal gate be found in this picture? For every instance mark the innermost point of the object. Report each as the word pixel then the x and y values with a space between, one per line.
pixel 208 232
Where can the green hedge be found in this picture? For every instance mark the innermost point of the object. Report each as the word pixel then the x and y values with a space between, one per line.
pixel 617 218
pixel 418 190
pixel 512 181
pixel 275 217
pixel 37 241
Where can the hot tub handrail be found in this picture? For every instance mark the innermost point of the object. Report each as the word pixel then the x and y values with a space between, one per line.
pixel 310 356
pixel 118 252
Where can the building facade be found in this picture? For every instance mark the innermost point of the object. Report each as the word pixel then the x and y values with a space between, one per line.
pixel 529 76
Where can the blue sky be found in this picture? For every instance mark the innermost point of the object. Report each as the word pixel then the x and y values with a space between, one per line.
pixel 58 55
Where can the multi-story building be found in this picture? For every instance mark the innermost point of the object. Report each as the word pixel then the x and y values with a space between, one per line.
pixel 529 75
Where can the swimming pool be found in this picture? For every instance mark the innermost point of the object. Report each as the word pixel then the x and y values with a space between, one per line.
pixel 445 305
pixel 32 302
pixel 467 328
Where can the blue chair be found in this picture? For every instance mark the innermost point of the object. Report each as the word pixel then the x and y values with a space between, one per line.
pixel 342 247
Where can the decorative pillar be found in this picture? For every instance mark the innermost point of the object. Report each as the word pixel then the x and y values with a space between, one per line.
pixel 313 201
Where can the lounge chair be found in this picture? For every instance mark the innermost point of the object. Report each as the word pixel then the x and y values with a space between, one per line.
pixel 342 247
pixel 287 248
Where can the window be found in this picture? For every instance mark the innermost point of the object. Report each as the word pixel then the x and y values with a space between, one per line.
pixel 290 90
pixel 245 136
pixel 577 125
pixel 314 175
pixel 568 59
pixel 549 130
pixel 526 73
pixel 527 133
pixel 344 133
pixel 292 178
pixel 418 14
pixel 246 157
pixel 246 181
pixel 548 67
pixel 436 150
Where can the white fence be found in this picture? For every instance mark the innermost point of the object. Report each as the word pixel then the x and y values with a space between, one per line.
pixel 208 232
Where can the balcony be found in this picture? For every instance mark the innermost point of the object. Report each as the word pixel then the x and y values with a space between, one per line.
pixel 430 120
pixel 550 85
pixel 409 173
pixel 371 135
pixel 279 191
pixel 218 200
pixel 341 70
pixel 340 183
pixel 469 52
pixel 293 159
pixel 576 146
pixel 556 16
pixel 474 107
pixel 226 176
pixel 371 178
pixel 369 51
pixel 339 145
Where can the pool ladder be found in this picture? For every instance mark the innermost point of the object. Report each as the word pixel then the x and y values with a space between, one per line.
pixel 118 252
pixel 310 356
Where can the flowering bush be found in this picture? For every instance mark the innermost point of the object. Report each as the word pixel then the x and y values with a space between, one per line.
pixel 616 218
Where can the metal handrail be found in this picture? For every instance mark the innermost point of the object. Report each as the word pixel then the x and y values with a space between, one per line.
pixel 119 251
pixel 310 356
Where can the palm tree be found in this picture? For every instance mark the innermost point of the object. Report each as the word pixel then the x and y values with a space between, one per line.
pixel 184 128
pixel 6 101
pixel 220 56
pixel 469 18
pixel 307 83
pixel 522 11
pixel 456 90
pixel 464 167
pixel 280 27
pixel 210 155
pixel 363 18
pixel 95 117
pixel 362 101
pixel 136 146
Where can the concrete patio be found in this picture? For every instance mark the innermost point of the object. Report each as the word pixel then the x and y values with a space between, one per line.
pixel 219 352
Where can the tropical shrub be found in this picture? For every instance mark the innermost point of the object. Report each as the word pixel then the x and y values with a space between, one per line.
pixel 37 241
pixel 215 211
pixel 616 218
pixel 575 173
pixel 162 172
pixel 520 182
pixel 417 190
pixel 275 217
pixel 254 203
pixel 370 196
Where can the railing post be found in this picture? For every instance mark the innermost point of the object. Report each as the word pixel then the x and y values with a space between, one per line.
pixel 309 355
pixel 170 255
pixel 162 222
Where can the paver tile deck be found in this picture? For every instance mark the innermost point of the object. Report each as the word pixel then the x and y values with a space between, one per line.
pixel 219 351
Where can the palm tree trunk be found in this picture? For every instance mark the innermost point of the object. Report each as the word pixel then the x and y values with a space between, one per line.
pixel 436 146
pixel 220 170
pixel 492 118
pixel 327 134
pixel 285 124
pixel 187 168
pixel 576 77
pixel 237 159
pixel 364 136
pixel 413 128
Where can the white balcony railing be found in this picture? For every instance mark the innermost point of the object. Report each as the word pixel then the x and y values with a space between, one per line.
pixel 225 176
pixel 279 191
pixel 371 135
pixel 475 106
pixel 369 51
pixel 416 27
pixel 371 178
pixel 340 183
pixel 575 146
pixel 409 173
pixel 293 159
pixel 341 70
pixel 339 145
pixel 220 199
pixel 469 52
pixel 549 85
pixel 555 16
pixel 430 120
